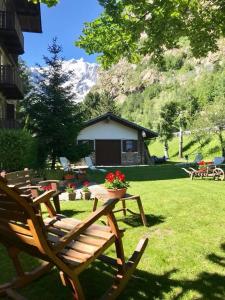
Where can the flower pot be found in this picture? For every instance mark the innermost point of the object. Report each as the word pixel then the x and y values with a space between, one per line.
pixel 81 177
pixel 117 193
pixel 86 195
pixel 72 196
pixel 69 176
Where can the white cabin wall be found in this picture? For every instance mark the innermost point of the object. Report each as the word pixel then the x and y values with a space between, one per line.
pixel 108 130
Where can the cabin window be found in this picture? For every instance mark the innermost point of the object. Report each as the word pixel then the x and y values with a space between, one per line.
pixel 129 146
pixel 89 142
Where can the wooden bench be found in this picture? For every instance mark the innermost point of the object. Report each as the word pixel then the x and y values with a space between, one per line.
pixel 69 244
pixel 23 180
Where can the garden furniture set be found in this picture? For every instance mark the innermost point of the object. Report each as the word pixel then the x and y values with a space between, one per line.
pixel 67 243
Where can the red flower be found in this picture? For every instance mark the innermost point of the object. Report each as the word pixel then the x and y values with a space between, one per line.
pixel 118 173
pixel 201 163
pixel 86 183
pixel 110 177
pixel 47 187
pixel 121 177
pixel 72 185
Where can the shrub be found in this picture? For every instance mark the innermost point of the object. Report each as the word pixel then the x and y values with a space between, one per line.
pixel 18 149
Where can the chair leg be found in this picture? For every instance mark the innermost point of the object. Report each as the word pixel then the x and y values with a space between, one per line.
pixel 118 242
pixel 95 204
pixel 122 279
pixel 57 204
pixel 74 284
pixel 23 278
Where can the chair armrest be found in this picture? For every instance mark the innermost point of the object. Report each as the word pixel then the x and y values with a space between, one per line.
pixel 105 209
pixel 54 183
pixel 49 181
pixel 30 187
pixel 43 198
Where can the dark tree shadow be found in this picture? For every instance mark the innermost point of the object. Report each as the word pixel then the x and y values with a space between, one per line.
pixel 190 144
pixel 218 259
pixel 144 173
pixel 143 285
pixel 71 213
pixel 135 220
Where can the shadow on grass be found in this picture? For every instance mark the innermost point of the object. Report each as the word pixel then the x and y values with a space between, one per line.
pixel 213 150
pixel 144 173
pixel 218 259
pixel 186 147
pixel 143 285
pixel 134 220
pixel 195 150
pixel 71 213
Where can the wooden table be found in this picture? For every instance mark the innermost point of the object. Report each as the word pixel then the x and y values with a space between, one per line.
pixel 102 195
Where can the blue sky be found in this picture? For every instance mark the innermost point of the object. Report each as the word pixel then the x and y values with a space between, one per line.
pixel 66 22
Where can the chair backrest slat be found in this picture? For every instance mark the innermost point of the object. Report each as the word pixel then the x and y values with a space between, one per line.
pixel 20 222
pixel 20 179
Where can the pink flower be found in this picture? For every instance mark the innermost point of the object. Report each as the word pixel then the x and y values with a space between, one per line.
pixel 86 183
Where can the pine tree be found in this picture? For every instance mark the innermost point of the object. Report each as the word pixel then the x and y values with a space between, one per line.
pixel 54 118
pixel 96 104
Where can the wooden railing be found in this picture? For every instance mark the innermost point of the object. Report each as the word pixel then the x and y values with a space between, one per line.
pixel 9 76
pixel 9 124
pixel 10 22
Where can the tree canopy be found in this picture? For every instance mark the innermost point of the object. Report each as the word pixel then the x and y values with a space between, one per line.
pixel 130 29
pixel 54 118
pixel 47 2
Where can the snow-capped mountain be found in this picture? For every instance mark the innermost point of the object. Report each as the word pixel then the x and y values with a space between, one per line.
pixel 83 77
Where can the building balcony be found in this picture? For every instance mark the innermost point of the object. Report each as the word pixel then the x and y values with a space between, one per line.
pixel 9 124
pixel 10 83
pixel 10 32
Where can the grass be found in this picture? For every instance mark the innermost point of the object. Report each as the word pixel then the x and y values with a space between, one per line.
pixel 185 258
pixel 209 149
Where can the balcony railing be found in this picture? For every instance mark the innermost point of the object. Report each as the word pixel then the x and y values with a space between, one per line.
pixel 10 83
pixel 9 124
pixel 11 29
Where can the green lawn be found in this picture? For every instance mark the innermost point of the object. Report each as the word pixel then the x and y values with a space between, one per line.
pixel 185 258
pixel 209 149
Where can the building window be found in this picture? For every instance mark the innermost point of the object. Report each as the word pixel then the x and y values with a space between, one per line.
pixel 130 146
pixel 89 142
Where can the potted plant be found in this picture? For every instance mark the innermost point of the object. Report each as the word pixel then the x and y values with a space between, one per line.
pixel 69 175
pixel 86 194
pixel 71 190
pixel 116 184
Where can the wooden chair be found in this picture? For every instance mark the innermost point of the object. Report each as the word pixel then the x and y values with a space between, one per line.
pixel 23 180
pixel 69 244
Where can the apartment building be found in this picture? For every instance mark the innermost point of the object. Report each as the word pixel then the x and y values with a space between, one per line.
pixel 16 17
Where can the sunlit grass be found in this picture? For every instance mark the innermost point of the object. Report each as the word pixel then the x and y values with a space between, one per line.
pixel 185 258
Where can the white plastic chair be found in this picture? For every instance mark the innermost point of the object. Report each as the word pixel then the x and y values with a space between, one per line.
pixel 65 164
pixel 90 165
pixel 218 160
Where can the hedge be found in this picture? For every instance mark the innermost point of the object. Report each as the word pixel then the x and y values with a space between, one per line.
pixel 18 149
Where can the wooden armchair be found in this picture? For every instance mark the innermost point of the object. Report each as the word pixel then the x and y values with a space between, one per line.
pixel 23 180
pixel 69 244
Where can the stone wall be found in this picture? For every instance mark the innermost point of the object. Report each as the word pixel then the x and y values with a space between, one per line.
pixel 130 158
